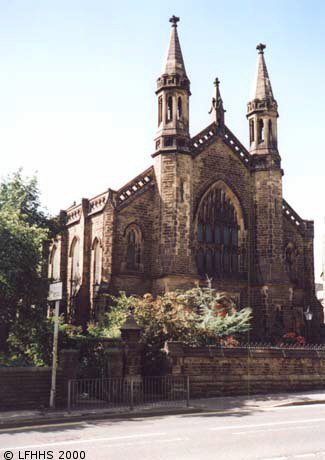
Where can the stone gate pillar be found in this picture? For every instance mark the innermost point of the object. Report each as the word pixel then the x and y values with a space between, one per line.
pixel 132 348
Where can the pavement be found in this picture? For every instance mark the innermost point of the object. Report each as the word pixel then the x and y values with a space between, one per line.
pixel 227 404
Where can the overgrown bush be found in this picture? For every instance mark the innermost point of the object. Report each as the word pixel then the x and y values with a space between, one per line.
pixel 197 317
pixel 31 344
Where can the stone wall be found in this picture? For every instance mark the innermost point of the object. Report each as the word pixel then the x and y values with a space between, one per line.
pixel 218 371
pixel 28 388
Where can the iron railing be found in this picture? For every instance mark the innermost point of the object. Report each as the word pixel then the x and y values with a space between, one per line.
pixel 128 393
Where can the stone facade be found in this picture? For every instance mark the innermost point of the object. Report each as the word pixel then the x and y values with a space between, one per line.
pixel 207 206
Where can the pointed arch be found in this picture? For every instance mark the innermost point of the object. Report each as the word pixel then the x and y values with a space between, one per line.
pixel 169 108
pixel 260 133
pixel 179 108
pixel 96 261
pixel 134 247
pixel 251 131
pixel 291 261
pixel 74 254
pixel 220 233
pixel 160 109
pixel 54 263
pixel 270 132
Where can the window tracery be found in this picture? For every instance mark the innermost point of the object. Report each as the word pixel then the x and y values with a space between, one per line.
pixel 219 254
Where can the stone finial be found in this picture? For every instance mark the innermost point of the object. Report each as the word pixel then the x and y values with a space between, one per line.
pixel 217 109
pixel 216 82
pixel 174 20
pixel 260 47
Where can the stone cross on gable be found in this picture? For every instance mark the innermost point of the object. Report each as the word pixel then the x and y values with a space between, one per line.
pixel 260 47
pixel 174 20
pixel 216 84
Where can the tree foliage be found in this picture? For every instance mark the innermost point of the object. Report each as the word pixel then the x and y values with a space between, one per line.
pixel 24 228
pixel 198 317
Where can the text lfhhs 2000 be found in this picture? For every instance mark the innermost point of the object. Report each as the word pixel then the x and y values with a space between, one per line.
pixel 48 455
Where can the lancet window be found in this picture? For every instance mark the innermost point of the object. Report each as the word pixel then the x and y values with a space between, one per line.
pixel 270 133
pixel 96 262
pixel 290 257
pixel 179 108
pixel 134 248
pixel 218 247
pixel 54 266
pixel 251 131
pixel 260 131
pixel 96 276
pixel 169 108
pixel 75 265
pixel 160 109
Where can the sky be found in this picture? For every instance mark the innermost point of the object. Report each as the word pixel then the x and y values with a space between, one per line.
pixel 77 88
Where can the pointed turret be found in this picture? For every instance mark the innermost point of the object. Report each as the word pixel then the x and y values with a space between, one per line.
pixel 173 91
pixel 263 89
pixel 174 62
pixel 262 110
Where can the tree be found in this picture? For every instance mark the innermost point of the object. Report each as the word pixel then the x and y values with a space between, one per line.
pixel 197 317
pixel 24 229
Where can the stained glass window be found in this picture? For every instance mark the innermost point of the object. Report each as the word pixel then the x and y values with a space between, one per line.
pixel 217 236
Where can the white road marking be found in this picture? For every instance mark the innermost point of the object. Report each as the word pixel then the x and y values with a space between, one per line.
pixel 83 441
pixel 257 425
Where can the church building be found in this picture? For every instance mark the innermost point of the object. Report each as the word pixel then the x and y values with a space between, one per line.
pixel 207 207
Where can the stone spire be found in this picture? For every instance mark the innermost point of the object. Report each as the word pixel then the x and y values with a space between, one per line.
pixel 262 111
pixel 263 89
pixel 173 92
pixel 174 62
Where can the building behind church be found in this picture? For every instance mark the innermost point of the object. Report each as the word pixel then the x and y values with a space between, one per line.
pixel 207 207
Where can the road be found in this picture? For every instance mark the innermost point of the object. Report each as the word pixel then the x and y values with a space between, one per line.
pixel 296 432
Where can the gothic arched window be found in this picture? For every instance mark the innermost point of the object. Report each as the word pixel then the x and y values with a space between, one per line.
pixel 160 109
pixel 134 248
pixel 270 132
pixel 75 264
pixel 54 266
pixel 217 246
pixel 169 108
pixel 96 262
pixel 260 131
pixel 251 131
pixel 290 258
pixel 179 108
